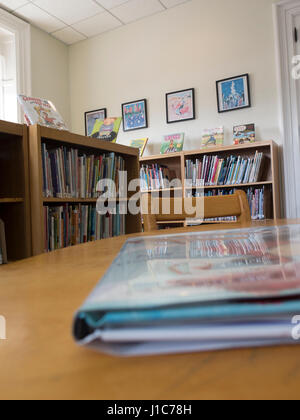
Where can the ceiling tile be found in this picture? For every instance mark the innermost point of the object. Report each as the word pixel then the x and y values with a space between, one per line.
pixel 68 36
pixel 13 4
pixel 38 17
pixel 98 24
pixel 70 11
pixel 137 9
pixel 109 4
pixel 172 3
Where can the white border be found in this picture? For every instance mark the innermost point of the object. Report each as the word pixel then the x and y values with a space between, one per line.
pixel 284 13
pixel 22 33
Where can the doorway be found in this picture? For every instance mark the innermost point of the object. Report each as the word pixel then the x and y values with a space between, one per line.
pixel 287 32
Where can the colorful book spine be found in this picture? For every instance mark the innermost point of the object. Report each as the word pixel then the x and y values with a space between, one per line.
pixel 70 225
pixel 217 171
pixel 68 173
pixel 256 198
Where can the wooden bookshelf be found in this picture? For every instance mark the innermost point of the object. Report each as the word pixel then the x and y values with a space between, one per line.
pixel 57 138
pixel 270 178
pixel 14 189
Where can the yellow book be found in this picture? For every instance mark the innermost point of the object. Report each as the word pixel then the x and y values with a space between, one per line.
pixel 140 144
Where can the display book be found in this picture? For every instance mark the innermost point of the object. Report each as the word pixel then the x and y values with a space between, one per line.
pixel 140 144
pixel 42 112
pixel 213 137
pixel 214 170
pixel 196 291
pixel 172 143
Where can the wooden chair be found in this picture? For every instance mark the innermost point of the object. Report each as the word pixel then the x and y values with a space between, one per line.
pixel 219 206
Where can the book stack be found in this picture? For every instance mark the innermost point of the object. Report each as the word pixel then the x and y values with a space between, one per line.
pixel 70 225
pixel 156 177
pixel 68 173
pixel 256 199
pixel 212 290
pixel 232 170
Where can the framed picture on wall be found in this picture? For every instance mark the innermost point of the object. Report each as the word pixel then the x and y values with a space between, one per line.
pixel 91 117
pixel 180 106
pixel 233 93
pixel 135 115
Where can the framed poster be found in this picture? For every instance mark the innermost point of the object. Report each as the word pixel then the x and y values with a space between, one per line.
pixel 180 106
pixel 233 93
pixel 91 117
pixel 135 115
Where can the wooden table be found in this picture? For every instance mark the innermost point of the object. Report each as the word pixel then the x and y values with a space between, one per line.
pixel 39 359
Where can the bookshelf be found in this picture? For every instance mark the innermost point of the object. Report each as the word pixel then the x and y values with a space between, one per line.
pixel 14 189
pixel 269 179
pixel 56 138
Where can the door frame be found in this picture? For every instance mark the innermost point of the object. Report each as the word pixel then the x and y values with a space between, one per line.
pixel 284 13
pixel 22 32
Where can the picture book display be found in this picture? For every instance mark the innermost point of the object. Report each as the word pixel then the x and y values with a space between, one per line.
pixel 172 143
pixel 107 130
pixel 213 137
pixel 196 291
pixel 42 112
pixel 140 144
pixel 244 134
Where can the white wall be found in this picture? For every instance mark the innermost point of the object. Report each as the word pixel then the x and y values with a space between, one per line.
pixel 50 71
pixel 191 45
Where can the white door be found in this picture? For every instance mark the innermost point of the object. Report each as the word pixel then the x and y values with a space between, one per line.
pixel 288 48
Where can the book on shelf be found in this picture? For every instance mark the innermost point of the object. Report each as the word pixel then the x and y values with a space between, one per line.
pixel 140 144
pixel 156 177
pixel 70 225
pixel 216 170
pixel 172 143
pixel 256 198
pixel 213 137
pixel 70 173
pixel 42 112
pixel 244 134
pixel 3 250
pixel 107 130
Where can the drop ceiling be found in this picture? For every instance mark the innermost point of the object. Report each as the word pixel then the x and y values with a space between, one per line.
pixel 72 21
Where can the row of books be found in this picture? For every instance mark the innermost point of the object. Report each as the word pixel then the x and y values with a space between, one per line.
pixel 68 173
pixel 256 199
pixel 70 225
pixel 213 170
pixel 156 177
